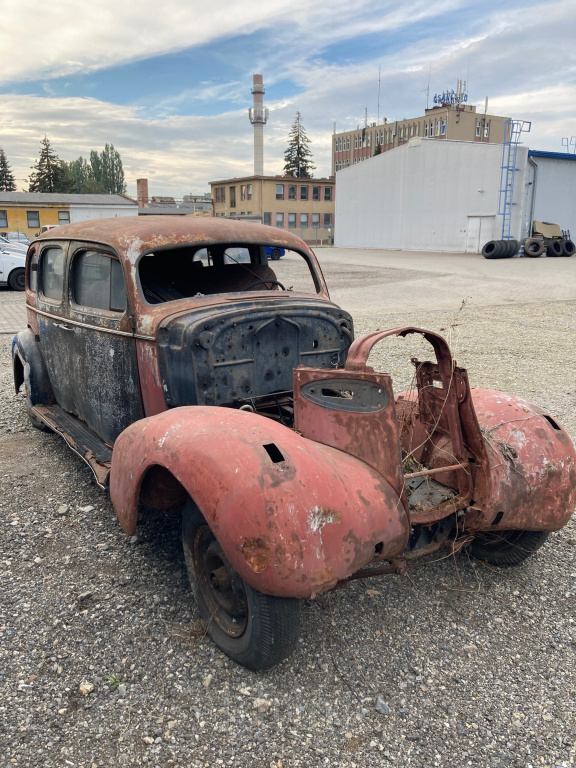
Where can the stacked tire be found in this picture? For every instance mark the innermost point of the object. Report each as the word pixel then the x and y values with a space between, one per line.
pixel 500 249
pixel 534 247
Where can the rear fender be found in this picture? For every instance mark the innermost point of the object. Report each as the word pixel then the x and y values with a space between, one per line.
pixel 30 369
pixel 294 517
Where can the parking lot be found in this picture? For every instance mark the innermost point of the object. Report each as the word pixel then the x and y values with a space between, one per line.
pixel 476 665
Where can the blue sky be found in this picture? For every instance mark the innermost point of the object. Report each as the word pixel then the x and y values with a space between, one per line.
pixel 169 83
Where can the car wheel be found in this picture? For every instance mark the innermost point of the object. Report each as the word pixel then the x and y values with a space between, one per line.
pixel 17 279
pixel 506 548
pixel 554 248
pixel 568 248
pixel 275 254
pixel 255 630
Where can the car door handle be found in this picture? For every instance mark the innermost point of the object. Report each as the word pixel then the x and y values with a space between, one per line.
pixel 64 326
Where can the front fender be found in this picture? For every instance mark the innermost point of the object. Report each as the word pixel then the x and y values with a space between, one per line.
pixel 293 516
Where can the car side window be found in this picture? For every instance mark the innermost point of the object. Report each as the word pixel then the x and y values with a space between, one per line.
pixel 52 273
pixel 33 273
pixel 98 281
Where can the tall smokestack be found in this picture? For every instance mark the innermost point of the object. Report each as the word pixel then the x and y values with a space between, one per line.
pixel 258 117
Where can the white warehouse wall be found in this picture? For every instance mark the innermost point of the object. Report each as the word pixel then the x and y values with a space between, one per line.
pixel 427 195
pixel 89 212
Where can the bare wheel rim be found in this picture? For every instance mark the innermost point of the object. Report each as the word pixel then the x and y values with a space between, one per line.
pixel 222 589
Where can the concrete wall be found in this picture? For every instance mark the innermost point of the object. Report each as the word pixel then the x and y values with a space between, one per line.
pixel 87 212
pixel 427 195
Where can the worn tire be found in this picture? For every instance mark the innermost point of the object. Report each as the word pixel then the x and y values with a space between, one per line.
pixel 533 248
pixel 506 548
pixel 568 248
pixel 275 254
pixel 513 248
pixel 253 629
pixel 492 249
pixel 17 279
pixel 554 248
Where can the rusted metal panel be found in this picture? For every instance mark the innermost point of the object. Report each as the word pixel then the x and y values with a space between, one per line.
pixel 293 516
pixel 354 412
pixel 150 380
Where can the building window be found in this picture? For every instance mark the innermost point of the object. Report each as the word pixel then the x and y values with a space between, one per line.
pixel 291 192
pixel 303 220
pixel 279 219
pixel 315 193
pixel 249 192
pixel 268 218
pixel 486 129
pixel 315 220
pixel 3 219
pixel 477 127
pixel 443 128
pixel 243 192
pixel 327 221
pixel 348 142
pixel 328 194
pixel 303 193
pixel 33 218
pixel 279 192
pixel 369 140
pixel 220 194
pixel 291 220
pixel 356 141
pixel 63 217
pixel 437 127
pixel 232 197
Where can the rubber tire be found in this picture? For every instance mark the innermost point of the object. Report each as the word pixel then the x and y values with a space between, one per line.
pixel 533 248
pixel 17 279
pixel 272 624
pixel 554 248
pixel 506 549
pixel 492 249
pixel 513 248
pixel 568 248
pixel 275 254
pixel 507 249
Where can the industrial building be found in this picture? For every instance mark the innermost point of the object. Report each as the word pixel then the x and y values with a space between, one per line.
pixel 29 211
pixel 446 121
pixel 452 195
pixel 304 206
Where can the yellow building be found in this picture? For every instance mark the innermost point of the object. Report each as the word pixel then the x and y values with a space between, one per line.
pixel 456 122
pixel 28 212
pixel 302 206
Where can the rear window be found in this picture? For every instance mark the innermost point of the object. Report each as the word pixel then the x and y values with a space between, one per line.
pixel 189 271
pixel 52 273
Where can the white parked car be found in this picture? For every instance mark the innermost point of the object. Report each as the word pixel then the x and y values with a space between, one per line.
pixel 13 247
pixel 17 237
pixel 12 269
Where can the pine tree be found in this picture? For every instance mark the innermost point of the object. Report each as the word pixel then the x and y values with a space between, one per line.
pixel 297 156
pixel 7 180
pixel 378 149
pixel 49 172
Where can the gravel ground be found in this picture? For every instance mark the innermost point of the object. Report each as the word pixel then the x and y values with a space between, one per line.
pixel 103 661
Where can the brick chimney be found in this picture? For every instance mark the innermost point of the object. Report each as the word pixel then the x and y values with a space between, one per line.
pixel 142 192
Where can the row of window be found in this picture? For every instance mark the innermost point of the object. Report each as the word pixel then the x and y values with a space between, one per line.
pixel 486 128
pixel 290 192
pixel 33 218
pixel 303 220
pixel 97 280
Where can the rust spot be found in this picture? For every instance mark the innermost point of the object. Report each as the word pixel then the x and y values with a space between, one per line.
pixel 318 517
pixel 256 553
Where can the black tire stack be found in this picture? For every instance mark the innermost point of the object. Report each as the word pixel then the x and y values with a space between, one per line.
pixel 536 246
pixel 500 249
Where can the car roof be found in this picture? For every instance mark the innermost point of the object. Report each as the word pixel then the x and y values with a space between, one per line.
pixel 131 235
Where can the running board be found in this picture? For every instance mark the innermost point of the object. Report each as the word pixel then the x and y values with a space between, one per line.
pixel 80 438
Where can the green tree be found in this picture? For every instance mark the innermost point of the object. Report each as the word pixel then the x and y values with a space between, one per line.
pixel 378 150
pixel 49 172
pixel 107 170
pixel 7 180
pixel 81 177
pixel 298 156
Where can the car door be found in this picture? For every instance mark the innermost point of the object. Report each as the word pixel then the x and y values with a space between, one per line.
pixel 103 363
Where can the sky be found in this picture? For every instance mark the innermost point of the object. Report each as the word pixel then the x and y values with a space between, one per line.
pixel 169 83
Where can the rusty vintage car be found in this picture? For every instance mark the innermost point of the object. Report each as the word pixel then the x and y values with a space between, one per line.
pixel 192 376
